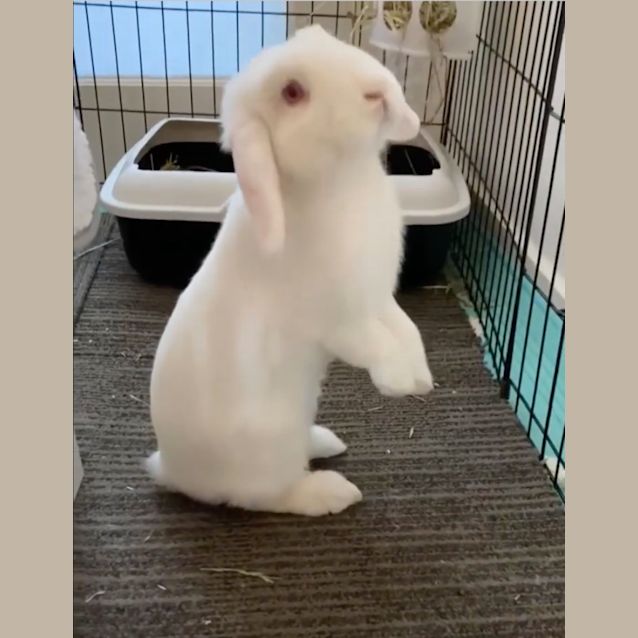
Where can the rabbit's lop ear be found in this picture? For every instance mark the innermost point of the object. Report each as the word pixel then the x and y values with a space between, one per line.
pixel 247 137
pixel 258 179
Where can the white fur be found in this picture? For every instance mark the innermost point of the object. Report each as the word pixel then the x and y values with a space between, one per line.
pixel 296 278
pixel 84 184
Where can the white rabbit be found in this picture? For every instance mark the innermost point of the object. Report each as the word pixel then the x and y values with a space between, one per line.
pixel 301 273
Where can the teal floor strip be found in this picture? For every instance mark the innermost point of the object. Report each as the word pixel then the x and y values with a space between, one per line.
pixel 491 283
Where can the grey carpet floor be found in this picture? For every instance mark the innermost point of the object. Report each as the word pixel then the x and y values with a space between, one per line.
pixel 459 534
pixel 86 263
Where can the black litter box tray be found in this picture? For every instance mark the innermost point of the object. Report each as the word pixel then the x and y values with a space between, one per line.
pixel 169 252
pixel 193 156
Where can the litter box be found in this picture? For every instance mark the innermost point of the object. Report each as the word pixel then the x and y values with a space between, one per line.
pixel 169 193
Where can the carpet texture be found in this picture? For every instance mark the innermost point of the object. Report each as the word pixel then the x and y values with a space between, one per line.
pixel 459 534
pixel 86 262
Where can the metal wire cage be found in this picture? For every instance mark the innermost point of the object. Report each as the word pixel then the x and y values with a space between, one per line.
pixel 502 119
pixel 505 124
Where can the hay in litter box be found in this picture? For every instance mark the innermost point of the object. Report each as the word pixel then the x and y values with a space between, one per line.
pixel 171 164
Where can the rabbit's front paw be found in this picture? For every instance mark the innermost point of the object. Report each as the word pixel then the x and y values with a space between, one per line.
pixel 325 492
pixel 394 379
pixel 324 443
pixel 424 383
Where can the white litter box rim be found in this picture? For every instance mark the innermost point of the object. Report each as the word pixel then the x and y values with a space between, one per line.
pixel 448 170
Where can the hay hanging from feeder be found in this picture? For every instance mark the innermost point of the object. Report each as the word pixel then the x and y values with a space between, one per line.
pixel 396 15
pixel 435 17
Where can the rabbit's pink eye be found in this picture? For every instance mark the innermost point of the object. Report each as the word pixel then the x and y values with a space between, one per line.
pixel 293 92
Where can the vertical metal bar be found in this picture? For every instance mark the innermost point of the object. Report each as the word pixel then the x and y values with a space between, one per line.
pixel 473 92
pixel 168 98
pixel 448 101
pixel 510 232
pixel 212 55
pixel 451 140
pixel 486 308
pixel 546 319
pixel 547 93
pixel 459 232
pixel 117 71
pixel 481 142
pixel 459 101
pixel 537 171
pixel 97 102
pixel 287 26
pixel 473 227
pixel 540 253
pixel 500 211
pixel 237 33
pixel 427 89
pixel 463 132
pixel 552 393
pixel 505 316
pixel 77 91
pixel 487 228
pixel 312 13
pixel 405 74
pixel 530 158
pixel 190 68
pixel 560 460
pixel 262 25
pixel 139 49
pixel 512 72
pixel 337 6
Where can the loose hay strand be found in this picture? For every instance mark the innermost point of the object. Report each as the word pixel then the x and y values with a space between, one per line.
pixel 94 248
pixel 88 599
pixel 139 400
pixel 241 572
